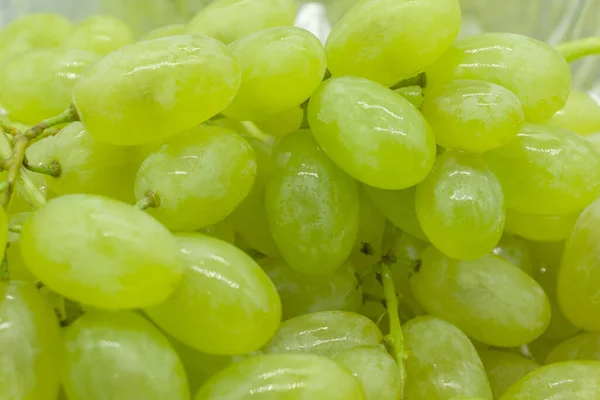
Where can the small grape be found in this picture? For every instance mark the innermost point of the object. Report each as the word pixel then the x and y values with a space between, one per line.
pixel 515 251
pixel 581 114
pixel 100 34
pixel 414 94
pixel 504 368
pixel 372 133
pixel 156 88
pixel 547 228
pixel 101 252
pixel 166 31
pixel 282 123
pixel 585 346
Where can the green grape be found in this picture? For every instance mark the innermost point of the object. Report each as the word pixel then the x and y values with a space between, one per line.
pixel 371 227
pixel 372 133
pixel 200 176
pixel 546 228
pixel 3 232
pixel 399 207
pixel 375 369
pixel 460 206
pixel 581 114
pixel 312 206
pixel 504 368
pixel 281 67
pixel 101 252
pixel 585 346
pixel 533 70
pixel 579 273
pixel 243 18
pixel 442 362
pixel 34 31
pixel 29 344
pixel 249 219
pixel 562 381
pixel 474 116
pixel 376 312
pixel 416 33
pixel 515 251
pixel 283 377
pixel 38 84
pixel 101 34
pixel 17 269
pixel 166 31
pixel 120 356
pixel 325 333
pixel 594 139
pixel 489 299
pixel 302 294
pixel 226 304
pixel 542 154
pixel 414 94
pixel 222 231
pixel 282 123
pixel 156 88
pixel 144 15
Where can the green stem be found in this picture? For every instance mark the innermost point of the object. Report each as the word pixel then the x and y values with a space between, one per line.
pixel 8 128
pixel 4 272
pixel 53 169
pixel 396 337
pixel 574 50
pixel 150 200
pixel 255 132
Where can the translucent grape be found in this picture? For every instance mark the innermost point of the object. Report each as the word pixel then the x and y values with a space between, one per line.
pixel 581 114
pixel 222 231
pixel 101 252
pixel 282 123
pixel 548 228
pixel 120 356
pixel 375 369
pixel 585 346
pixel 399 207
pixel 38 84
pixel 156 88
pixel 579 273
pixel 489 299
pixel 372 133
pixel 474 116
pixel 504 368
pixel 460 206
pixel 226 304
pixel 371 226
pixel 100 34
pixel 325 333
pixel 562 381
pixel 243 17
pixel 515 251
pixel 533 70
pixel 29 344
pixel 276 58
pixel 283 376
pixel 416 33
pixel 442 363
pixel 200 176
pixel 414 94
pixel 144 15
pixel 546 171
pixel 376 312
pixel 303 294
pixel 166 31
pixel 312 206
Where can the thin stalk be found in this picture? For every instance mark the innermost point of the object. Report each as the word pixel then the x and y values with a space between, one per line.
pixel 150 200
pixel 576 49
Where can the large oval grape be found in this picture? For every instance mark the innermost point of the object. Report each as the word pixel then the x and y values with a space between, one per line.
pixel 101 252
pixel 156 88
pixel 372 133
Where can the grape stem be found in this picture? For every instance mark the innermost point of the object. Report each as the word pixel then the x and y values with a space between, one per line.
pixel 4 272
pixel 576 49
pixel 53 169
pixel 8 128
pixel 150 200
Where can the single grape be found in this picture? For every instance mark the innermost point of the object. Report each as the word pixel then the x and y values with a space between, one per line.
pixel 579 273
pixel 460 206
pixel 515 251
pixel 101 252
pixel 312 206
pixel 489 299
pixel 372 133
pixel 283 376
pixel 416 33
pixel 120 356
pixel 504 368
pixel 226 304
pixel 442 362
pixel 541 155
pixel 156 88
pixel 533 70
pixel 376 312
pixel 375 369
pixel 29 344
pixel 281 67
pixel 303 294
pixel 399 207
pixel 585 346
pixel 474 116
pixel 562 381
pixel 101 34
pixel 371 227
pixel 325 333
pixel 243 18
pixel 414 94
pixel 581 114
pixel 166 31
pixel 200 176
pixel 546 228
pixel 38 84
pixel 282 123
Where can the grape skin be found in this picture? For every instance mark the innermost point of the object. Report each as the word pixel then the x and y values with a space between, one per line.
pixel 585 346
pixel 100 34
pixel 504 368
